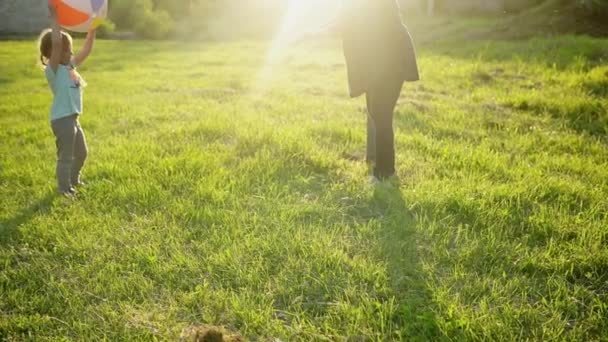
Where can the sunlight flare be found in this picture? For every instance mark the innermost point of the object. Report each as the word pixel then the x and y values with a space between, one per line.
pixel 300 17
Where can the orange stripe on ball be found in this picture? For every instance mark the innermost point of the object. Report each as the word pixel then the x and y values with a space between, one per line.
pixel 69 16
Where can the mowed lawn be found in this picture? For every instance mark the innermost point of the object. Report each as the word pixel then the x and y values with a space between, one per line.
pixel 228 188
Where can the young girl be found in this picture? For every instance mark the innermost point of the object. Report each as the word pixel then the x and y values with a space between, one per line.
pixel 66 84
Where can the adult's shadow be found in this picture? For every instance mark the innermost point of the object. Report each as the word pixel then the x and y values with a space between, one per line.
pixel 9 231
pixel 399 243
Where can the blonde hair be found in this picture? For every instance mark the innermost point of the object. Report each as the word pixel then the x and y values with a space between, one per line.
pixel 45 44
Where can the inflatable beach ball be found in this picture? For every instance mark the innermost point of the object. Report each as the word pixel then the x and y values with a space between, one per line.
pixel 80 15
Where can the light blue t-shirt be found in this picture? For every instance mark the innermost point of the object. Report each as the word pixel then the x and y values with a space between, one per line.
pixel 66 85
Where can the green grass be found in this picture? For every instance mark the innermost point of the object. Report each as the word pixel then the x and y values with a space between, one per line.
pixel 217 196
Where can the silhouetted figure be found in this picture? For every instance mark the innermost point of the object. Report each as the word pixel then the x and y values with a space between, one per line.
pixel 380 56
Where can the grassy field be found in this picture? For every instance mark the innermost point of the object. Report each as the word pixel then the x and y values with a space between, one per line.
pixel 222 192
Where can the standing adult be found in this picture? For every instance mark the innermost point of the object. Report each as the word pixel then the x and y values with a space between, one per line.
pixel 380 57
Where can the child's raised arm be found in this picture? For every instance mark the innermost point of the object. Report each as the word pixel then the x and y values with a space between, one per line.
pixel 57 40
pixel 86 49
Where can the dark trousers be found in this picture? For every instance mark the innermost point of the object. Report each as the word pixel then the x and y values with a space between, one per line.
pixel 71 151
pixel 381 101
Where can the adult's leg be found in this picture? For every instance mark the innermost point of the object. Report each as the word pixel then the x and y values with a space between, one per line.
pixel 383 98
pixel 371 133
pixel 65 134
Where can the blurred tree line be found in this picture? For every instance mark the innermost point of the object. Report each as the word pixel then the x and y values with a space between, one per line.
pixel 196 19
pixel 596 8
pixel 157 19
pixel 565 17
pixel 589 8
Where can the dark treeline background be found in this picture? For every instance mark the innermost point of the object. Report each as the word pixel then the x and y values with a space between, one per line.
pixel 221 19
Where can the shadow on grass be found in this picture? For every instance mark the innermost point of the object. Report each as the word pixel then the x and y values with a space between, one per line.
pixel 398 239
pixel 413 316
pixel 9 227
pixel 5 80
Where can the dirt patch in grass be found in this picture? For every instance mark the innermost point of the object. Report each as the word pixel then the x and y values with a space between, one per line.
pixel 209 333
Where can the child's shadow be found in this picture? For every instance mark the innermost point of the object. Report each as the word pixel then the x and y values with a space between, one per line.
pixel 9 231
pixel 398 238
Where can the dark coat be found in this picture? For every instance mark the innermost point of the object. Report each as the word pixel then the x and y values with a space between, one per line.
pixel 377 46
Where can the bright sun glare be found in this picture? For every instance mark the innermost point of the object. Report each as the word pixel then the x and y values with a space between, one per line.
pixel 306 14
pixel 301 16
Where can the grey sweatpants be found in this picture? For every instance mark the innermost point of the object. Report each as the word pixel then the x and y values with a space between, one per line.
pixel 71 151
